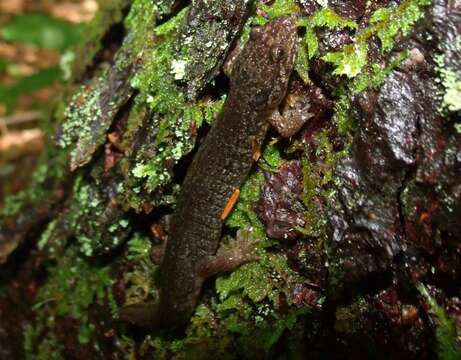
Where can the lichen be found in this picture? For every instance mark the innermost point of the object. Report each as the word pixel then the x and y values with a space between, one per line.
pixel 450 84
pixel 91 112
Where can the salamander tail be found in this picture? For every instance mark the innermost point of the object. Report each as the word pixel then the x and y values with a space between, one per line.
pixel 145 315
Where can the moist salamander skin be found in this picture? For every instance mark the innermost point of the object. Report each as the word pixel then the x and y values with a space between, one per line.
pixel 258 84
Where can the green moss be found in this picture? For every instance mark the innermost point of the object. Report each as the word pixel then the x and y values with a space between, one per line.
pixel 243 215
pixel 248 312
pixel 258 281
pixel 376 74
pixel 279 8
pixel 175 116
pixel 140 278
pixel 317 184
pixel 89 114
pixel 48 349
pixel 38 189
pixel 342 117
pixel 350 61
pixel 448 348
pixel 272 157
pixel 324 18
pixel 73 286
pixel 45 236
pixel 386 24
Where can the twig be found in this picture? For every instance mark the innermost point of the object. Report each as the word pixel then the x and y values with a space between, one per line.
pixel 20 118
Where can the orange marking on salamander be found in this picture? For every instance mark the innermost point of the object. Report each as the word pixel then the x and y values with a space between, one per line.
pixel 230 204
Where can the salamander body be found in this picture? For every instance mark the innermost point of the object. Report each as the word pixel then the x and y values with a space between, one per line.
pixel 258 84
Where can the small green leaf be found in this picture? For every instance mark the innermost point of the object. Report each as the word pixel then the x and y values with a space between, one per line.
pixel 46 77
pixel 280 8
pixel 350 61
pixel 42 31
pixel 312 43
pixel 329 19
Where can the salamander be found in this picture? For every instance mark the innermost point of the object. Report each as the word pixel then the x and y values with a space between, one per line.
pixel 258 84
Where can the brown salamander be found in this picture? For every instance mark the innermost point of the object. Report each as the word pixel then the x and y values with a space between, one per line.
pixel 258 84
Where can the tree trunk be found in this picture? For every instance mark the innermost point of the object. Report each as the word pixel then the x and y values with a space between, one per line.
pixel 355 219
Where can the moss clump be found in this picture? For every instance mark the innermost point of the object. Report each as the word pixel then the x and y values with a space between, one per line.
pixel 50 169
pixel 175 117
pixel 73 286
pixel 141 276
pixel 324 18
pixel 386 24
pixel 376 74
pixel 252 307
pixel 276 9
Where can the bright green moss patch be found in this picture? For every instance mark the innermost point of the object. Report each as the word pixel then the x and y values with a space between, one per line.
pixel 386 24
pixel 257 281
pixel 324 18
pixel 376 74
pixel 279 8
pixel 350 61
pixel 243 215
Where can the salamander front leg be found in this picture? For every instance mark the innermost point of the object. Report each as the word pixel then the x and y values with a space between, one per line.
pixel 294 115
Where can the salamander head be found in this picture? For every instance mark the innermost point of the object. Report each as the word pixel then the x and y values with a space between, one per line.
pixel 263 68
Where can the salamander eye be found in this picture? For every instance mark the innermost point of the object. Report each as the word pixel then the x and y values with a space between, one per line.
pixel 277 54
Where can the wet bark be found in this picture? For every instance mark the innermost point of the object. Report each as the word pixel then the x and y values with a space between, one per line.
pixel 366 214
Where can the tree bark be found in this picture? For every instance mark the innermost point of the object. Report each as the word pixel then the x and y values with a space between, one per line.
pixel 356 219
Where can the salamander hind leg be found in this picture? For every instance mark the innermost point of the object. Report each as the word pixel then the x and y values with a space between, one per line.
pixel 229 256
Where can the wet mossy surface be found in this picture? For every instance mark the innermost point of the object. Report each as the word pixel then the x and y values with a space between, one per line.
pixel 355 219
